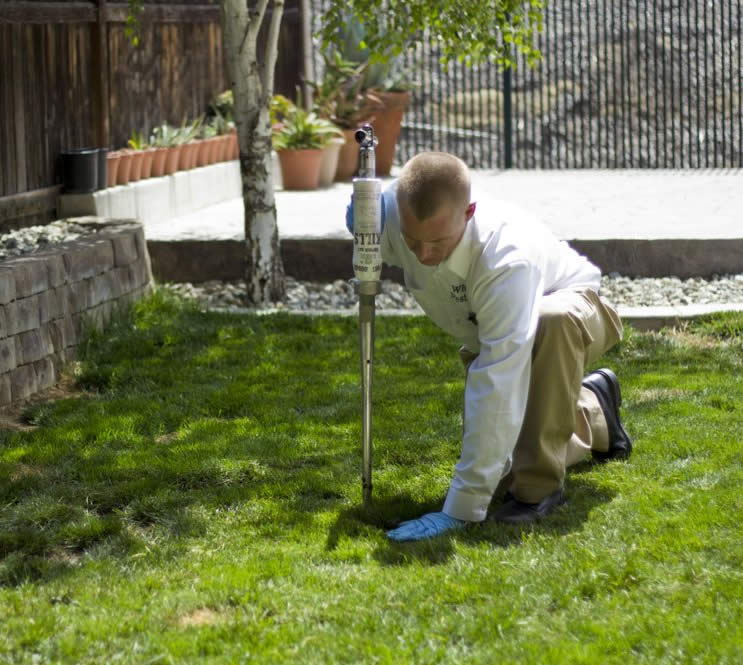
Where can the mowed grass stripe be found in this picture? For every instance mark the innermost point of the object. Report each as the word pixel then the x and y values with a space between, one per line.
pixel 200 502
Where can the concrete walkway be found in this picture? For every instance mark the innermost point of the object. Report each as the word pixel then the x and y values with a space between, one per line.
pixel 576 205
pixel 637 223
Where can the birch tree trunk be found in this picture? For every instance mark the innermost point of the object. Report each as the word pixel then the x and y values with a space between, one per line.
pixel 252 88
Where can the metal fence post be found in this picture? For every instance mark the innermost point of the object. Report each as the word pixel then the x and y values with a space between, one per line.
pixel 507 118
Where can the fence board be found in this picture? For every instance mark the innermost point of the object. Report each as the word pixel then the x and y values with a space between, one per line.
pixel 57 92
pixel 18 110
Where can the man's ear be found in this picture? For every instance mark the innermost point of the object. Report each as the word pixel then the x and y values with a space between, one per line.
pixel 470 212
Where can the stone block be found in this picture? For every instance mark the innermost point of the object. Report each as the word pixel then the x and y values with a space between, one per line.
pixel 122 202
pixel 46 375
pixel 60 295
pixel 77 297
pixel 101 288
pixel 104 254
pixel 31 275
pixel 49 306
pixel 74 205
pixel 55 267
pixel 23 382
pixel 125 248
pixel 35 344
pixel 138 273
pixel 8 356
pixel 22 315
pixel 6 396
pixel 123 279
pixel 7 285
pixel 95 318
pixel 58 334
pixel 80 260
pixel 71 354
pixel 141 241
pixel 234 179
pixel 4 325
pixel 152 200
pixel 180 193
pixel 87 258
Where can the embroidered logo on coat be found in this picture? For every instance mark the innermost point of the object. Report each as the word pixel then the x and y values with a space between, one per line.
pixel 459 292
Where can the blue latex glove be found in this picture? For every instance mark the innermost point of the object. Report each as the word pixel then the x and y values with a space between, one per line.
pixel 428 526
pixel 387 199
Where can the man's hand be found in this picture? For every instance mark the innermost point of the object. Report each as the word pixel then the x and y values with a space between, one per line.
pixel 428 526
pixel 388 196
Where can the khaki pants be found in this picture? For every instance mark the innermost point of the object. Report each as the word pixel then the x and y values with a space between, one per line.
pixel 563 420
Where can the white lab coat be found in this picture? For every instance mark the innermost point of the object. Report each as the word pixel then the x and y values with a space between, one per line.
pixel 487 296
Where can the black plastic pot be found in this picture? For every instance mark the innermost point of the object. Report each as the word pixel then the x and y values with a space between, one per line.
pixel 80 170
pixel 102 168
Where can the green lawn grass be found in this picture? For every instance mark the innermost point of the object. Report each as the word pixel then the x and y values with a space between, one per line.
pixel 200 503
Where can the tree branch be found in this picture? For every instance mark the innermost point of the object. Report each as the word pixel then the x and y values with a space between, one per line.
pixel 255 23
pixel 272 50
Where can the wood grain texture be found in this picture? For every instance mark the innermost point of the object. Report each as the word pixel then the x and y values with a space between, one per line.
pixel 69 78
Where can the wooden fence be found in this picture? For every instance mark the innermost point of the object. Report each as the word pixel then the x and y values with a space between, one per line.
pixel 69 78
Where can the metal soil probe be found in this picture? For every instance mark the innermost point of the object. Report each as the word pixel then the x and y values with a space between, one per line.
pixel 367 266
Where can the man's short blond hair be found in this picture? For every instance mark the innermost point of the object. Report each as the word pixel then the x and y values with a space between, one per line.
pixel 432 179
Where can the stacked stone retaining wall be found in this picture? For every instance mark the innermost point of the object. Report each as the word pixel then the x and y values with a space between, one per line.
pixel 49 298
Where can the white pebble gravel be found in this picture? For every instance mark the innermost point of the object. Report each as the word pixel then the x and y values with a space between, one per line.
pixel 339 295
pixel 34 238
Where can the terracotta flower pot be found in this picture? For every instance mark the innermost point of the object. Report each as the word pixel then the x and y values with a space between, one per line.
pixel 329 163
pixel 209 150
pixel 216 144
pixel 300 169
pixel 136 168
pixel 225 148
pixel 172 158
pixel 192 154
pixel 348 157
pixel 184 161
pixel 112 162
pixel 203 152
pixel 387 123
pixel 147 159
pixel 158 162
pixel 125 167
pixel 234 151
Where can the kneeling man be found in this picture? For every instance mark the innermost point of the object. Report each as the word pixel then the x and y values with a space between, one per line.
pixel 527 311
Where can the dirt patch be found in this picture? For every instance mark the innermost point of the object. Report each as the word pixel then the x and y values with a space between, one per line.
pixel 167 438
pixel 200 617
pixel 654 395
pixel 682 335
pixel 11 417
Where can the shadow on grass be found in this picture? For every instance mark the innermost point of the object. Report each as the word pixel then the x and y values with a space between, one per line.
pixel 582 497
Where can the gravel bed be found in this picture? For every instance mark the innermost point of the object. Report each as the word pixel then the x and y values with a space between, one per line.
pixel 635 292
pixel 640 292
pixel 35 238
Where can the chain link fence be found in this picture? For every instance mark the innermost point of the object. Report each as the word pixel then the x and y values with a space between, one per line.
pixel 621 84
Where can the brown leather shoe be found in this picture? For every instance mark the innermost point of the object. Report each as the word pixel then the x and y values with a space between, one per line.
pixel 605 385
pixel 514 511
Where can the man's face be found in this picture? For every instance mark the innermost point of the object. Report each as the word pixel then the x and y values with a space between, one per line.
pixel 434 239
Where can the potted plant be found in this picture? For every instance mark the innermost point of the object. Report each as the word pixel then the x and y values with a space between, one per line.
pixel 222 110
pixel 387 82
pixel 299 140
pixel 210 141
pixel 144 157
pixel 125 166
pixel 188 138
pixel 166 136
pixel 112 164
pixel 340 97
